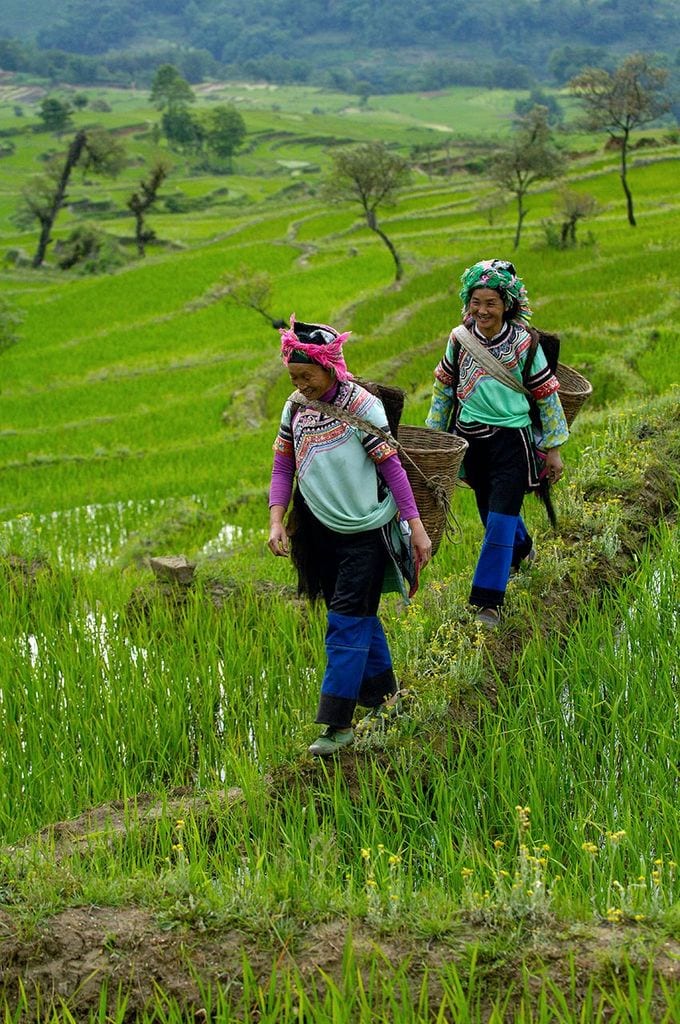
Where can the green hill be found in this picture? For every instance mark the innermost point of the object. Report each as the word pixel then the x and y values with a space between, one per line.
pixel 509 850
pixel 341 45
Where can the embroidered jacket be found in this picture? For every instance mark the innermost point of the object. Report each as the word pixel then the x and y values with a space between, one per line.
pixel 484 400
pixel 336 462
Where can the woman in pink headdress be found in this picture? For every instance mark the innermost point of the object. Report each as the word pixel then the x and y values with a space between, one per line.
pixel 357 529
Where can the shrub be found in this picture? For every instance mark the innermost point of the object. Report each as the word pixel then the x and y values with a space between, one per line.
pixel 10 318
pixel 90 250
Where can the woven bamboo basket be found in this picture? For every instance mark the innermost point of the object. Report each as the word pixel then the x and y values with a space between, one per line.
pixel 431 459
pixel 574 390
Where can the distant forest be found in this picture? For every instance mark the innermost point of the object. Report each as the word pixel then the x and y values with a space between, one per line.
pixel 359 46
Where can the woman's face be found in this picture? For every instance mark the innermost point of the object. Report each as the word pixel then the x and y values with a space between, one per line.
pixel 309 378
pixel 486 307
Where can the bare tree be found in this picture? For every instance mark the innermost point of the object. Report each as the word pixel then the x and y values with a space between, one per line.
pixel 43 197
pixel 248 289
pixel 529 156
pixel 574 206
pixel 490 204
pixel 370 175
pixel 141 201
pixel 621 101
pixel 10 318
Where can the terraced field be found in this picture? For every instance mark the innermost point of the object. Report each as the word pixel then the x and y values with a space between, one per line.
pixel 510 852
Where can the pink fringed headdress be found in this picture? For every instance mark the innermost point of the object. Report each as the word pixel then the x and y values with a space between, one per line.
pixel 314 343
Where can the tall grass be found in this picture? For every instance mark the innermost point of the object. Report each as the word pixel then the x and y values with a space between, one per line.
pixel 562 798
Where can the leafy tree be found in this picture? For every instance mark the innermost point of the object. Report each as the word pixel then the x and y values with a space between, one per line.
pixel 92 150
pixel 169 91
pixel 141 201
pixel 183 131
pixel 224 133
pixel 529 156
pixel 621 101
pixel 54 114
pixel 371 176
pixel 364 90
pixel 538 98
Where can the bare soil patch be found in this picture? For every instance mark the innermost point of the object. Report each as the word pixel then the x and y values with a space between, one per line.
pixel 74 955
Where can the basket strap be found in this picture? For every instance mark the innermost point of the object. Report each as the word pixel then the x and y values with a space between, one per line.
pixel 354 421
pixel 486 359
pixel 433 483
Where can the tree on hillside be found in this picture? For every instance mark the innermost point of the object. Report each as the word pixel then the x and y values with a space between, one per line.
pixel 618 102
pixel 573 207
pixel 54 114
pixel 93 150
pixel 169 91
pixel 225 131
pixel 539 98
pixel 10 318
pixel 529 156
pixel 248 289
pixel 172 94
pixel 371 176
pixel 141 201
pixel 183 131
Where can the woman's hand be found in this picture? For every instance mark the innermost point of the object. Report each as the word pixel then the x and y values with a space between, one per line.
pixel 422 545
pixel 553 465
pixel 278 537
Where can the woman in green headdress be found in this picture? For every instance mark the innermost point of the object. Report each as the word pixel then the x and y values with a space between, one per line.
pixel 480 393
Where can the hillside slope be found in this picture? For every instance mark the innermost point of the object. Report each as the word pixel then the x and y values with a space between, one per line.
pixel 286 41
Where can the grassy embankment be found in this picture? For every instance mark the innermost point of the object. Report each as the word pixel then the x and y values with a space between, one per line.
pixel 513 844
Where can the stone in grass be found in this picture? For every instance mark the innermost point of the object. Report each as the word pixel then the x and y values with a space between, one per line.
pixel 173 569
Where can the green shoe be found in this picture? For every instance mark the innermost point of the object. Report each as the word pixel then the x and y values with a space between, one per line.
pixel 379 718
pixel 331 741
pixel 488 617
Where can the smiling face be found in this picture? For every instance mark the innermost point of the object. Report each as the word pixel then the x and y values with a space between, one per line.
pixel 487 309
pixel 309 378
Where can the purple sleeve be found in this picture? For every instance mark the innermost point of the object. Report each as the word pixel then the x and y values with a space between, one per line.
pixel 394 475
pixel 281 485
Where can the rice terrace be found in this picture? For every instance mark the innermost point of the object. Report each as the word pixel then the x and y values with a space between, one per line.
pixel 508 849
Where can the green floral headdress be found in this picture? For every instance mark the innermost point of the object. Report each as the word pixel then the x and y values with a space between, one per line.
pixel 502 277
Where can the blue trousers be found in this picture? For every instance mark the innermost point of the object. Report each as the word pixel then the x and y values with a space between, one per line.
pixel 498 469
pixel 358 668
pixel 358 661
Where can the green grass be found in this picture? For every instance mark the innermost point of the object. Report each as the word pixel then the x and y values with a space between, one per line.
pixel 137 418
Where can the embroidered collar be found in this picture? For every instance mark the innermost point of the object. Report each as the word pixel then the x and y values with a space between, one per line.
pixel 501 336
